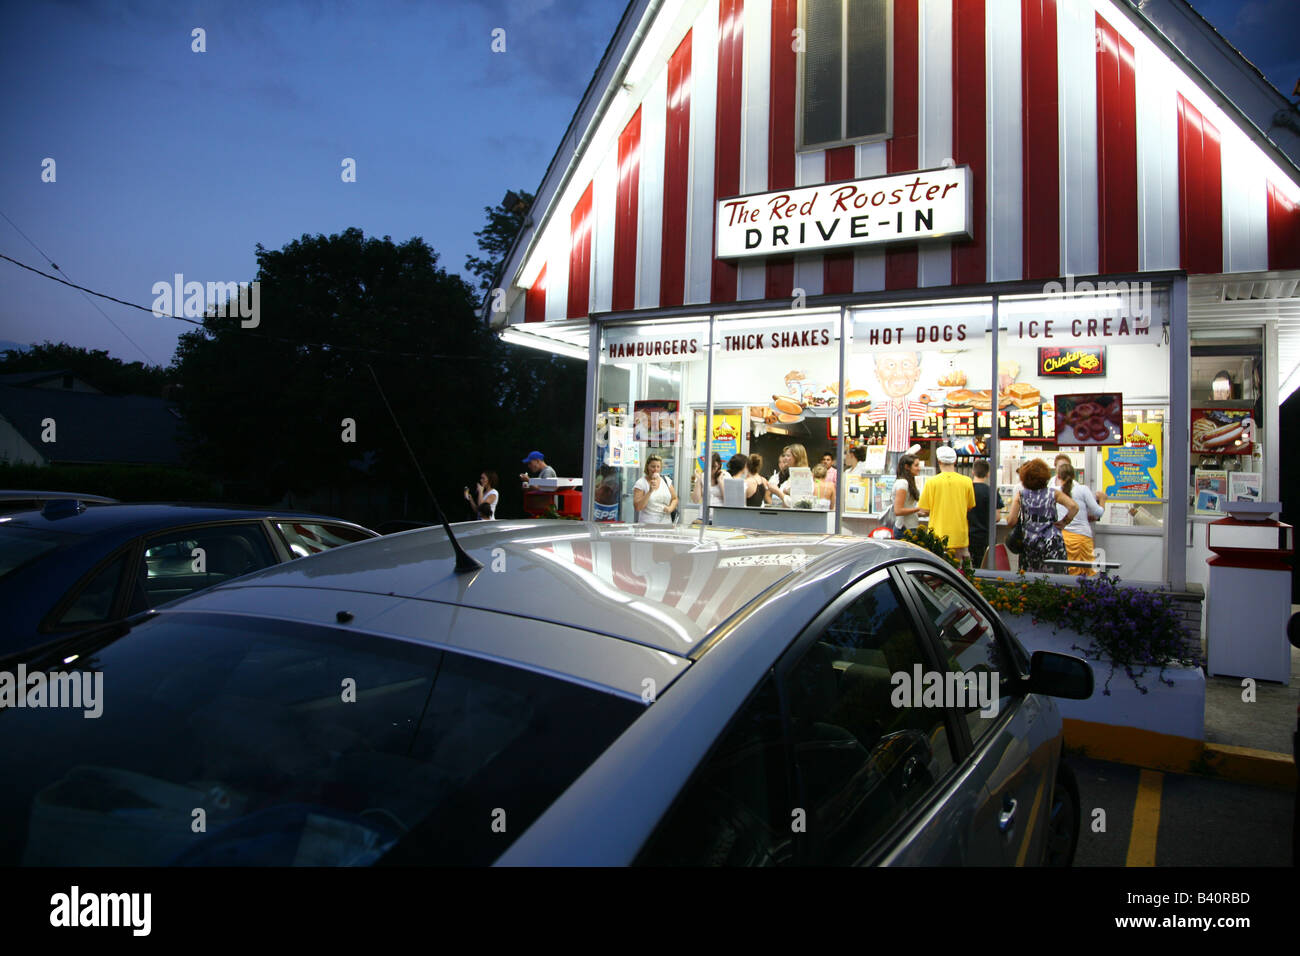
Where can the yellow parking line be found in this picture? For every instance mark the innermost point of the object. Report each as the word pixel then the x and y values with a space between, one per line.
pixel 1146 820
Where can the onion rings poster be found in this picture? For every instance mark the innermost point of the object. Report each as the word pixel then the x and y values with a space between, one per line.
pixel 1133 469
pixel 1222 431
pixel 1093 419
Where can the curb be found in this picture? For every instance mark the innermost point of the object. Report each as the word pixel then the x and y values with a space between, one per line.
pixel 1167 752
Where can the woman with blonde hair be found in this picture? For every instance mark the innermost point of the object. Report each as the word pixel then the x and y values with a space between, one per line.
pixel 1078 533
pixel 653 496
pixel 822 487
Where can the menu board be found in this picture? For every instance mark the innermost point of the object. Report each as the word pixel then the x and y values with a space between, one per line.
pixel 1132 470
pixel 929 428
pixel 961 422
pixel 1025 422
pixel 871 433
pixel 1222 431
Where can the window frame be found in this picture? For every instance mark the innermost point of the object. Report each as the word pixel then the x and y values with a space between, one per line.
pixel 800 69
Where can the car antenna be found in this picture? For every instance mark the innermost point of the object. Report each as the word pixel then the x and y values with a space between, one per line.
pixel 464 563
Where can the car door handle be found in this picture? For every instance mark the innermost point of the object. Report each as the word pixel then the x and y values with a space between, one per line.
pixel 1007 818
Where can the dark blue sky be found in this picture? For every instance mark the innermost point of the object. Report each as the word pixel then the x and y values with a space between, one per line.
pixel 173 161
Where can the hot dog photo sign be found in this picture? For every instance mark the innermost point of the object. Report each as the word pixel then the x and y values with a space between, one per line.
pixel 1096 419
pixel 1222 431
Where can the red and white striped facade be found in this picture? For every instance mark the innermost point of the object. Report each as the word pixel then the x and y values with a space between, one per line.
pixel 1092 152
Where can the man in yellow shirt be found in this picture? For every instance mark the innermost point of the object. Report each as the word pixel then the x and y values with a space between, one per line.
pixel 948 496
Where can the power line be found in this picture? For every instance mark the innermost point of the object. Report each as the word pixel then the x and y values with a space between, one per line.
pixel 93 303
pixel 261 335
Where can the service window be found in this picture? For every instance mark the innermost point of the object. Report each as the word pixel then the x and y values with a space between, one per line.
pixel 865 753
pixel 736 810
pixel 309 537
pixel 178 563
pixel 971 649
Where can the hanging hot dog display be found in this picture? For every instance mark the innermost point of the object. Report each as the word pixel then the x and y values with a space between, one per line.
pixel 1095 419
pixel 1222 431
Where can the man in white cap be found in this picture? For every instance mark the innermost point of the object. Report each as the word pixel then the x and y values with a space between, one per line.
pixel 948 496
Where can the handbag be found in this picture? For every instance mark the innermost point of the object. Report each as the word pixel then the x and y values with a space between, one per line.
pixel 1016 539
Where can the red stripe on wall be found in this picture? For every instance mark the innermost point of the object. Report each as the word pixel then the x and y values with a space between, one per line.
pixel 1283 230
pixel 1041 200
pixel 625 214
pixel 780 129
pixel 837 267
pixel 726 160
pixel 535 300
pixel 580 255
pixel 902 150
pixel 1117 205
pixel 969 137
pixel 677 158
pixel 1200 191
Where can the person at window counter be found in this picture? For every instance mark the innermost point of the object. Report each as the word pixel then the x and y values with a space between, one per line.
pixel 1043 540
pixel 715 483
pixel 1078 533
pixel 906 496
pixel 653 496
pixel 1056 479
pixel 977 519
pixel 537 467
pixel 822 486
pixel 855 460
pixel 828 460
pixel 757 491
pixel 949 497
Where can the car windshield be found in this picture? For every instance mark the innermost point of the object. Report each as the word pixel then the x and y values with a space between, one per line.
pixel 202 739
pixel 19 545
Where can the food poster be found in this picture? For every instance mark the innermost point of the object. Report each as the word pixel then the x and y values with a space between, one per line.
pixel 876 458
pixel 1090 419
pixel 621 448
pixel 1211 491
pixel 655 421
pixel 856 497
pixel 726 437
pixel 882 493
pixel 1246 486
pixel 1132 470
pixel 1222 431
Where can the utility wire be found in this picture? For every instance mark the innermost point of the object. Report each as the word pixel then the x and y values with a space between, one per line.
pixel 54 265
pixel 260 335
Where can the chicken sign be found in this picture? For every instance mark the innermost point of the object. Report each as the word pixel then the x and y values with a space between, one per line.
pixel 906 207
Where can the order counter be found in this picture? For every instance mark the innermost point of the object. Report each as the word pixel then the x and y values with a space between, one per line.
pixel 803 520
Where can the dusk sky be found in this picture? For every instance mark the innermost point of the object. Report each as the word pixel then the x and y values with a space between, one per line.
pixel 174 161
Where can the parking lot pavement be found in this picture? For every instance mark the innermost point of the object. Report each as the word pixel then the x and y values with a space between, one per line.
pixel 1169 819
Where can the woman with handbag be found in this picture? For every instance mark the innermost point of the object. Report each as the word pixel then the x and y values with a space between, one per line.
pixel 906 495
pixel 653 496
pixel 1033 510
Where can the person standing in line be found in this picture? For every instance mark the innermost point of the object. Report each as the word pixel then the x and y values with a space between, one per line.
pixel 1078 533
pixel 822 487
pixel 949 497
pixel 828 461
pixel 757 491
pixel 1056 481
pixel 1043 540
pixel 715 483
pixel 977 519
pixel 906 495
pixel 653 496
pixel 485 493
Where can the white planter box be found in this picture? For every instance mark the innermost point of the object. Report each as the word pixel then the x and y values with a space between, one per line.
pixel 1177 710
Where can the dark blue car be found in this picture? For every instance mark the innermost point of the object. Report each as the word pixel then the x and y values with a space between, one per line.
pixel 67 567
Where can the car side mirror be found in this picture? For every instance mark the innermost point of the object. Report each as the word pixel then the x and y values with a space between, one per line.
pixel 1293 629
pixel 1059 675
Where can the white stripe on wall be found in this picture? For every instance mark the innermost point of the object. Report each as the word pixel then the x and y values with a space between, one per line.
pixel 1076 71
pixel 1157 158
pixel 704 96
pixel 754 125
pixel 604 203
pixel 650 215
pixel 557 268
pixel 1245 205
pixel 934 70
pixel 869 265
pixel 1005 142
pixel 809 274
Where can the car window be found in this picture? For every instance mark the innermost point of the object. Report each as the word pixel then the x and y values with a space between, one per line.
pixel 736 810
pixel 92 602
pixel 301 744
pixel 864 754
pixel 178 563
pixel 970 647
pixel 18 546
pixel 308 537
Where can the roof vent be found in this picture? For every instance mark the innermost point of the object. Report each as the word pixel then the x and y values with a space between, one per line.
pixel 62 508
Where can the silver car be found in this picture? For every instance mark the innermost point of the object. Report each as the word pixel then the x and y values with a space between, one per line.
pixel 595 694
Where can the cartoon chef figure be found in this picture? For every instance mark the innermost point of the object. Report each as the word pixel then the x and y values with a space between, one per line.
pixel 898 373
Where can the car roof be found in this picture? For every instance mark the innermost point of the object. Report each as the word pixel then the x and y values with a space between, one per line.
pixel 664 587
pixel 130 519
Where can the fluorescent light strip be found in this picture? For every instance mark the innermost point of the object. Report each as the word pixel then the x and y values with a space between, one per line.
pixel 542 343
